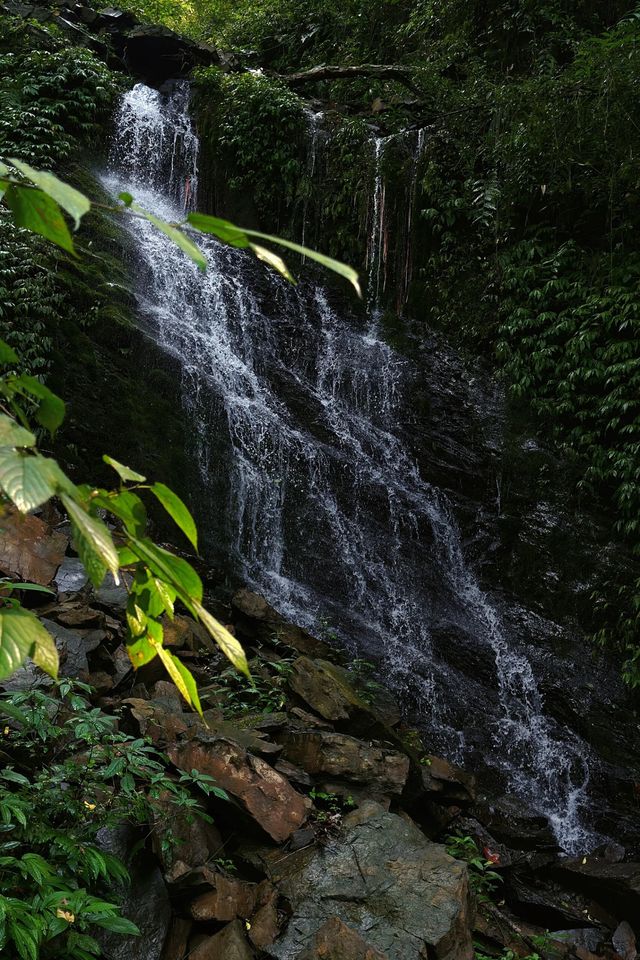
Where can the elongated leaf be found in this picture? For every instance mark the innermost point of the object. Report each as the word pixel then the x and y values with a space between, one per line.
pixel 51 408
pixel 70 199
pixel 222 229
pixel 28 586
pixel 225 640
pixel 175 234
pixel 239 237
pixel 26 480
pixel 13 435
pixel 125 473
pixel 177 510
pixel 36 211
pixel 180 676
pixel 174 570
pixel 22 635
pixel 340 268
pixel 273 260
pixel 93 542
pixel 11 711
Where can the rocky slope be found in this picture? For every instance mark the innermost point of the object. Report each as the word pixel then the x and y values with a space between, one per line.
pixel 331 844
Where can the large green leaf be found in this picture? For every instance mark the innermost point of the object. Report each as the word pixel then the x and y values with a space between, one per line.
pixel 127 507
pixel 27 480
pixel 51 407
pixel 177 510
pixel 222 229
pixel 125 473
pixel 36 211
pixel 239 237
pixel 180 676
pixel 22 635
pixel 225 640
pixel 175 234
pixel 13 435
pixel 70 199
pixel 93 542
pixel 45 654
pixel 174 570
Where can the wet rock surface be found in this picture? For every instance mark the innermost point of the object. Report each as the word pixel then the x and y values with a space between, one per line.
pixel 330 844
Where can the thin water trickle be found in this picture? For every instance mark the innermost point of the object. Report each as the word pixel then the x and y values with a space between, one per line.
pixel 327 513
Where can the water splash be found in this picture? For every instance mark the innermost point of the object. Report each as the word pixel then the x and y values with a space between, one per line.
pixel 328 514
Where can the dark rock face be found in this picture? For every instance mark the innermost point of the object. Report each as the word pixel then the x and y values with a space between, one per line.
pixel 403 895
pixel 152 54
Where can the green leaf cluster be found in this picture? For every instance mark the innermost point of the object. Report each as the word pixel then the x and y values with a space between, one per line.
pixel 68 774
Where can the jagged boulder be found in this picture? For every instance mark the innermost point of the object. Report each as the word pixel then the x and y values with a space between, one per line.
pixel 263 792
pixel 229 944
pixel 403 895
pixel 336 941
pixel 320 752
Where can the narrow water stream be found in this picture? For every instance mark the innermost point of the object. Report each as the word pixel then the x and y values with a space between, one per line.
pixel 327 514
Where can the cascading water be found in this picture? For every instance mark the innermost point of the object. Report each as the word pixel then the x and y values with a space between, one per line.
pixel 327 513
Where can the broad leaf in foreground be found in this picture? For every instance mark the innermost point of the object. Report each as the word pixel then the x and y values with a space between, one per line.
pixel 37 211
pixel 22 635
pixel 26 480
pixel 70 199
pixel 93 542
pixel 177 510
pixel 125 473
pixel 180 676
pixel 13 435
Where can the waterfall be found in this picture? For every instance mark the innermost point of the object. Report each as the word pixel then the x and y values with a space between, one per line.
pixel 377 245
pixel 327 513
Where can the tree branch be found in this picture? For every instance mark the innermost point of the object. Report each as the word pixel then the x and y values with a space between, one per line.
pixel 395 72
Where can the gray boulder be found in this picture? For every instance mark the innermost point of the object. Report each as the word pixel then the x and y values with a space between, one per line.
pixel 404 895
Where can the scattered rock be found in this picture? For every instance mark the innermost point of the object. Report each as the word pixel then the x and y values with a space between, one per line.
pixel 330 691
pixel 263 792
pixel 175 946
pixel 182 839
pixel 265 923
pixel 513 823
pixel 616 886
pixel 402 894
pixel 227 900
pixel 624 941
pixel 336 941
pixel 445 781
pixel 258 620
pixel 229 944
pixel 29 549
pixel 383 769
pixel 71 576
pixel 146 903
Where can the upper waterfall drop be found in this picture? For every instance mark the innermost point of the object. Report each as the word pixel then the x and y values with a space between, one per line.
pixel 327 512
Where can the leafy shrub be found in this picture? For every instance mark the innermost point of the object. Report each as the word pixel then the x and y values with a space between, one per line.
pixel 69 774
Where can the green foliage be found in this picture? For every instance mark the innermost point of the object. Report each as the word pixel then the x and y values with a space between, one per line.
pixel 483 880
pixel 264 692
pixel 58 887
pixel 155 578
pixel 52 98
pixel 256 127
